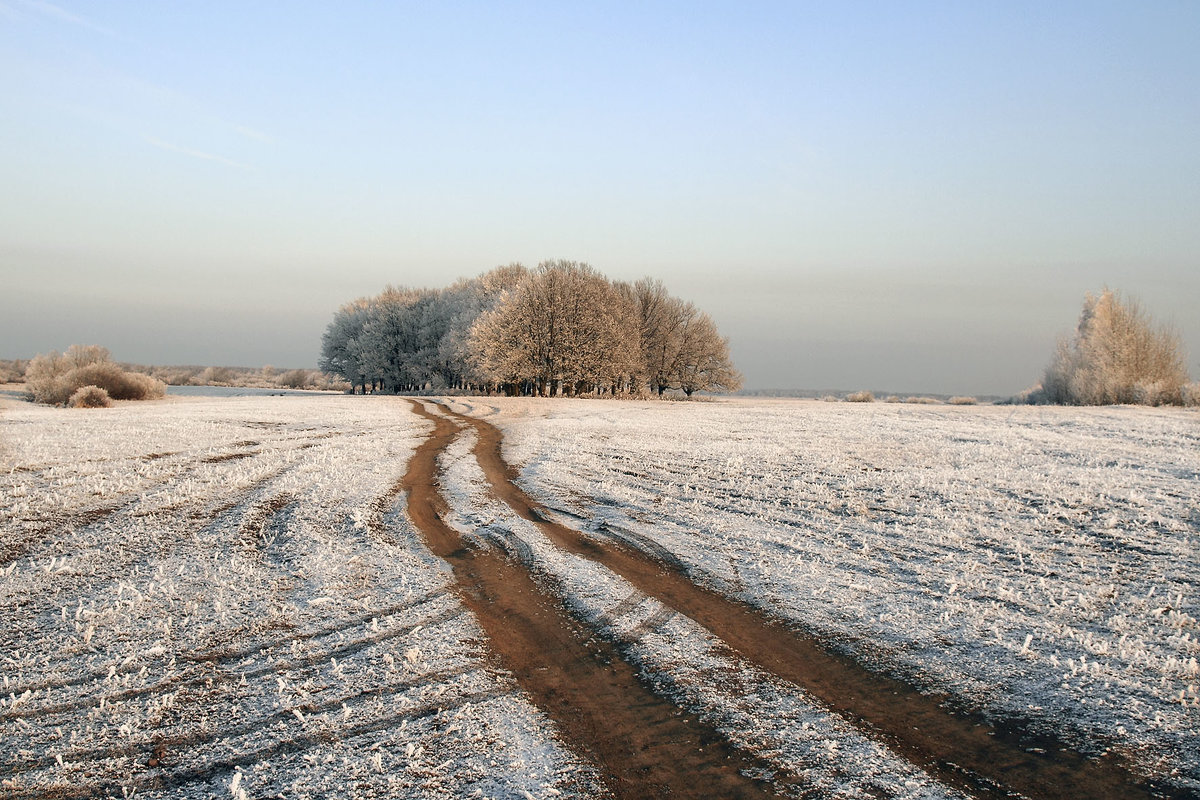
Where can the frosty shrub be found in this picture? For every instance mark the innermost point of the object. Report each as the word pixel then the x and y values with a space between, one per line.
pixel 12 371
pixel 89 397
pixel 1118 356
pixel 296 379
pixel 923 401
pixel 892 398
pixel 215 376
pixel 860 397
pixel 53 378
pixel 962 401
pixel 1191 394
pixel 85 355
pixel 323 381
pixel 176 376
pixel 121 385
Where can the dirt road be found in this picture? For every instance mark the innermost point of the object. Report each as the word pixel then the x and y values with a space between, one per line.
pixel 648 747
pixel 644 745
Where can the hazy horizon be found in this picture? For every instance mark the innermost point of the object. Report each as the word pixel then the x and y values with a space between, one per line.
pixel 913 199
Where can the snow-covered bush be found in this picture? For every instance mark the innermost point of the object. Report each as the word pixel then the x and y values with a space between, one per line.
pixel 215 376
pixel 295 379
pixel 323 381
pixel 1191 394
pixel 12 371
pixel 52 378
pixel 923 401
pixel 1118 356
pixel 176 376
pixel 860 397
pixel 90 397
pixel 959 400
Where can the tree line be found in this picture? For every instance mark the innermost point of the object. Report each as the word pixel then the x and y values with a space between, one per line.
pixel 559 329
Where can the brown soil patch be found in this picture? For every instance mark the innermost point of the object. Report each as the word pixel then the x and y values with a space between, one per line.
pixel 226 457
pixel 643 745
pixel 964 750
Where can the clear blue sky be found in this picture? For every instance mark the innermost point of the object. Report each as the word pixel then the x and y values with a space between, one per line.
pixel 898 196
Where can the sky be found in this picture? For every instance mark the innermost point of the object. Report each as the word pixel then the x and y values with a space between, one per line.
pixel 907 197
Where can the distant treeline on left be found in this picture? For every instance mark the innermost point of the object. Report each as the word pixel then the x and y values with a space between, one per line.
pixel 267 377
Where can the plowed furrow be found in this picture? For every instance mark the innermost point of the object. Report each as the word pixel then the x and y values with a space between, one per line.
pixel 204 673
pixel 166 778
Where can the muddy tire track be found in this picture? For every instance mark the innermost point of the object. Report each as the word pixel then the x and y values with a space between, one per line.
pixel 958 747
pixel 644 745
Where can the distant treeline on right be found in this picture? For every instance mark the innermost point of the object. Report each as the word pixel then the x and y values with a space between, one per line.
pixel 1118 356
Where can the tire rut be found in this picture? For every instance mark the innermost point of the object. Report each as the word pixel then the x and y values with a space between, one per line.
pixel 644 745
pixel 963 749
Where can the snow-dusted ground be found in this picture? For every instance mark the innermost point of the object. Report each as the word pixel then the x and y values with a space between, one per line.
pixel 214 598
pixel 1037 563
pixel 801 742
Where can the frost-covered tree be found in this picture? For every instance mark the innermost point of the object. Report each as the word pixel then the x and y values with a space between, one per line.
pixel 704 364
pixel 562 328
pixel 392 339
pixel 660 318
pixel 341 345
pixel 681 347
pixel 1118 355
pixel 466 301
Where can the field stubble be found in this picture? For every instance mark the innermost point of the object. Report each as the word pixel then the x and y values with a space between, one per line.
pixel 211 597
pixel 224 598
pixel 1032 564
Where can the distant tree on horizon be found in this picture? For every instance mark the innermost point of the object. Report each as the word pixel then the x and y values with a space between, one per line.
pixel 1118 356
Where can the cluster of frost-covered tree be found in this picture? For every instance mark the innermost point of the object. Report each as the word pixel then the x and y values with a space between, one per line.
pixel 562 328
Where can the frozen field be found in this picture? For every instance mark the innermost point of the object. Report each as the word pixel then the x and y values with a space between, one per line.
pixel 211 598
pixel 208 597
pixel 1038 563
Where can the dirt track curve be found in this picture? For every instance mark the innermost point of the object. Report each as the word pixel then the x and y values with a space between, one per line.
pixel 646 745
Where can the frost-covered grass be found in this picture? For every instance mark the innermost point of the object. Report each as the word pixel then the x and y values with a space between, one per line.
pixel 216 597
pixel 810 748
pixel 1035 563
